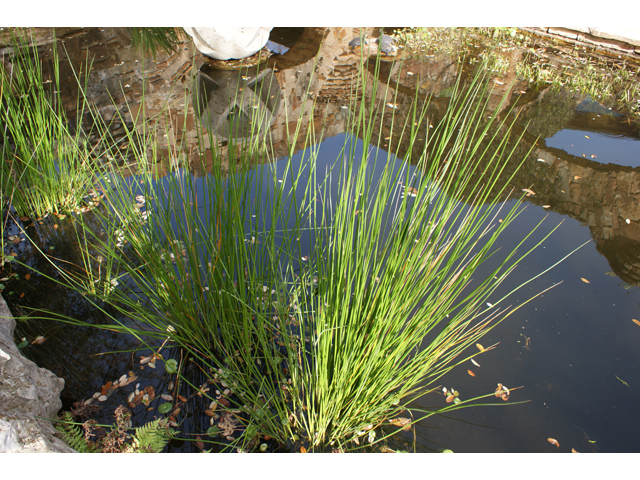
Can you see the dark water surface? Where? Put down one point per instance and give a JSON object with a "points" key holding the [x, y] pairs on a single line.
{"points": [[575, 350]]}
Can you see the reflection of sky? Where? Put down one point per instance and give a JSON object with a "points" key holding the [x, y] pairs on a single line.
{"points": [[606, 148]]}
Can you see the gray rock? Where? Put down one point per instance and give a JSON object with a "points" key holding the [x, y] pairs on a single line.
{"points": [[26, 392]]}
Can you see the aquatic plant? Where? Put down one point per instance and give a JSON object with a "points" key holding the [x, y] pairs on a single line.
{"points": [[45, 167], [152, 39], [318, 318]]}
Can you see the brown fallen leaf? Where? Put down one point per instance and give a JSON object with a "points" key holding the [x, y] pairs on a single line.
{"points": [[471, 373], [405, 423], [450, 398], [209, 413], [199, 442], [302, 449], [27, 276], [635, 321], [585, 280], [182, 399], [553, 441], [573, 450], [480, 347], [39, 340]]}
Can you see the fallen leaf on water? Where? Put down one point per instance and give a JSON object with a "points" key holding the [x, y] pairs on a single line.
{"points": [[546, 206], [405, 423], [585, 280], [480, 347], [475, 363], [22, 295], [39, 340], [573, 450], [553, 441], [450, 398], [528, 192], [303, 450], [586, 136], [102, 398], [181, 398], [471, 373], [576, 177], [628, 221], [27, 276], [199, 443], [166, 397]]}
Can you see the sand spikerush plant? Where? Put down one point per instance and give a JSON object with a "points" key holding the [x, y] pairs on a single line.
{"points": [[319, 303]]}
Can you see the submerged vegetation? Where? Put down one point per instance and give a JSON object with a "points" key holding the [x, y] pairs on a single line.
{"points": [[317, 303]]}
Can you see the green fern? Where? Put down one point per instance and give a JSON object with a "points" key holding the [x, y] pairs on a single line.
{"points": [[73, 435], [152, 437]]}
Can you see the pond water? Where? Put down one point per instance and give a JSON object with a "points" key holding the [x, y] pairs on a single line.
{"points": [[574, 350]]}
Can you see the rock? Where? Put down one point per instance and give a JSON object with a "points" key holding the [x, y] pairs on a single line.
{"points": [[26, 392], [224, 43]]}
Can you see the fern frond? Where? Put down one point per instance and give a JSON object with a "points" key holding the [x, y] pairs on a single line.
{"points": [[152, 437], [73, 435]]}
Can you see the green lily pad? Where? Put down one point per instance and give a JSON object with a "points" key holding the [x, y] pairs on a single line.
{"points": [[23, 344], [213, 431], [171, 366], [164, 408]]}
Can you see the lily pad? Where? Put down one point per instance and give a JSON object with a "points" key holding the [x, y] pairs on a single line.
{"points": [[164, 408], [171, 366]]}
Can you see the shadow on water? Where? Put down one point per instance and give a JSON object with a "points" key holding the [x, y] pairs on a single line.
{"points": [[570, 349]]}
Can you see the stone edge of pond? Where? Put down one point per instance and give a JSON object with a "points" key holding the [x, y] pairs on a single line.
{"points": [[26, 393], [620, 41]]}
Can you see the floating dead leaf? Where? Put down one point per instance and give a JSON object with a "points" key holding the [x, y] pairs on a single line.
{"points": [[546, 206], [635, 321], [628, 221], [39, 339], [102, 398], [577, 177], [475, 363], [150, 391], [480, 347], [450, 398], [105, 388], [224, 402], [27, 276], [471, 373], [302, 449], [586, 136], [209, 413], [181, 398], [585, 280], [405, 423], [145, 360], [166, 397], [138, 397], [528, 192], [22, 295], [573, 450], [199, 442], [553, 441]]}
